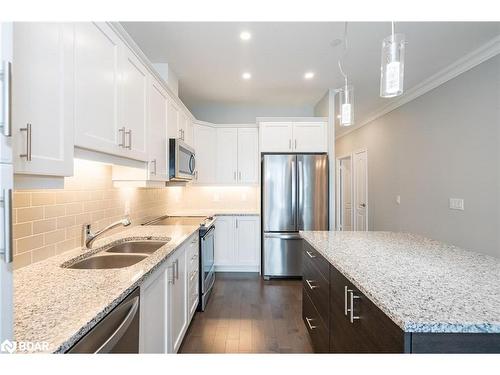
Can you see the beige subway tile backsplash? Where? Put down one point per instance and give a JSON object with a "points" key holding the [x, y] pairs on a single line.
{"points": [[49, 222]]}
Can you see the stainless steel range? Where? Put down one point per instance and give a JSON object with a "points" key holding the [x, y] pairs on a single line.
{"points": [[207, 249]]}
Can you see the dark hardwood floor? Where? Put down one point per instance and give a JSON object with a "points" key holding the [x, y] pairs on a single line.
{"points": [[246, 314]]}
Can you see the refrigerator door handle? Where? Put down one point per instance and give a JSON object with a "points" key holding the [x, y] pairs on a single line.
{"points": [[294, 195], [283, 236], [300, 191]]}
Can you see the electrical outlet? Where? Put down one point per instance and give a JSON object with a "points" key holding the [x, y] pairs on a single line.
{"points": [[456, 204]]}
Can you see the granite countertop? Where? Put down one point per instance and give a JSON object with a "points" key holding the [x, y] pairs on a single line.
{"points": [[421, 284], [59, 305]]}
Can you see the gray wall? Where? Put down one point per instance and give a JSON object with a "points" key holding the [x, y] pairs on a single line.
{"points": [[241, 114], [443, 144], [321, 108]]}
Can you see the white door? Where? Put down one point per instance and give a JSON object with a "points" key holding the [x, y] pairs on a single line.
{"points": [[205, 148], [96, 88], [6, 186], [188, 131], [42, 98], [310, 137], [227, 156], [153, 314], [173, 120], [248, 156], [6, 303], [247, 240], [158, 139], [133, 105], [177, 300], [6, 89], [361, 191], [276, 136], [344, 186], [224, 241]]}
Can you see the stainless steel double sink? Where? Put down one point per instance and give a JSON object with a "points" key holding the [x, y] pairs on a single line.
{"points": [[121, 255]]}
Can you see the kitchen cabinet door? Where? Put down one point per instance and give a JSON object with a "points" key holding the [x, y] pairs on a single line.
{"points": [[97, 52], [153, 314], [177, 299], [158, 140], [227, 156], [276, 136], [247, 240], [248, 156], [205, 148], [173, 120], [224, 241], [310, 137], [188, 131], [134, 85], [42, 98]]}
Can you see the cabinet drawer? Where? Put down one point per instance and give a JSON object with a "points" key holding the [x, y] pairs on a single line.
{"points": [[318, 330], [317, 287], [317, 260], [370, 332]]}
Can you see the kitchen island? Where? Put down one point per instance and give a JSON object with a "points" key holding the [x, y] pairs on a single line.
{"points": [[435, 297]]}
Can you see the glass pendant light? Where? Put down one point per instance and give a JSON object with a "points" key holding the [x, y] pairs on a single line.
{"points": [[392, 65], [346, 93]]}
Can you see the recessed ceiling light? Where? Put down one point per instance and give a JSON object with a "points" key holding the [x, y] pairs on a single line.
{"points": [[246, 75], [309, 75], [245, 35]]}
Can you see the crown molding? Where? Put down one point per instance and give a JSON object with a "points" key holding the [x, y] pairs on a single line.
{"points": [[465, 63]]}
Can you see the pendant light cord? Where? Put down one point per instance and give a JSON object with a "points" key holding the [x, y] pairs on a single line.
{"points": [[343, 54]]}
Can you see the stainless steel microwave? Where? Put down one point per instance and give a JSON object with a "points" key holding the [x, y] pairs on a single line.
{"points": [[182, 162]]}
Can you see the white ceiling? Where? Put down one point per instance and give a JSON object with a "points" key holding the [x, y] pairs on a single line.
{"points": [[209, 57]]}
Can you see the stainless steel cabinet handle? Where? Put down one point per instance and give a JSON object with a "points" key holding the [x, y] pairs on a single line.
{"points": [[154, 170], [27, 155], [172, 280], [353, 297], [234, 175], [311, 255], [309, 320], [6, 75], [239, 175], [7, 249], [309, 283], [129, 133], [346, 307], [236, 223], [295, 144], [122, 328], [177, 269], [122, 132], [289, 144]]}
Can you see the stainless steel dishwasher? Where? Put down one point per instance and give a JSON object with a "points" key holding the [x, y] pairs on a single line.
{"points": [[118, 332]]}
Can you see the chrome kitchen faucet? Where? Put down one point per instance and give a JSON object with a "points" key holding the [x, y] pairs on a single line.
{"points": [[89, 237]]}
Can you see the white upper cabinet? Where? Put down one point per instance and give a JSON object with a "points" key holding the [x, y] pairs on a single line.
{"points": [[188, 130], [158, 140], [173, 120], [227, 156], [134, 83], [248, 155], [97, 52], [276, 136], [42, 98], [310, 137], [293, 137], [205, 146]]}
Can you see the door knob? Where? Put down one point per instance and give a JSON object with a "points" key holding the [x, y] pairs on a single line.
{"points": [[363, 204]]}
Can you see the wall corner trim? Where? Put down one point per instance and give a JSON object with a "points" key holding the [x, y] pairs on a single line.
{"points": [[463, 64]]}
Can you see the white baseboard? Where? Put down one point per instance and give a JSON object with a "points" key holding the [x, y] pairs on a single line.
{"points": [[237, 268]]}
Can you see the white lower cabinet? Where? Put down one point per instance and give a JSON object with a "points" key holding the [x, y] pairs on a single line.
{"points": [[237, 243], [168, 300], [153, 313]]}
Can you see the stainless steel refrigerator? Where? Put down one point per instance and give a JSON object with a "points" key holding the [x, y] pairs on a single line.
{"points": [[294, 197]]}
